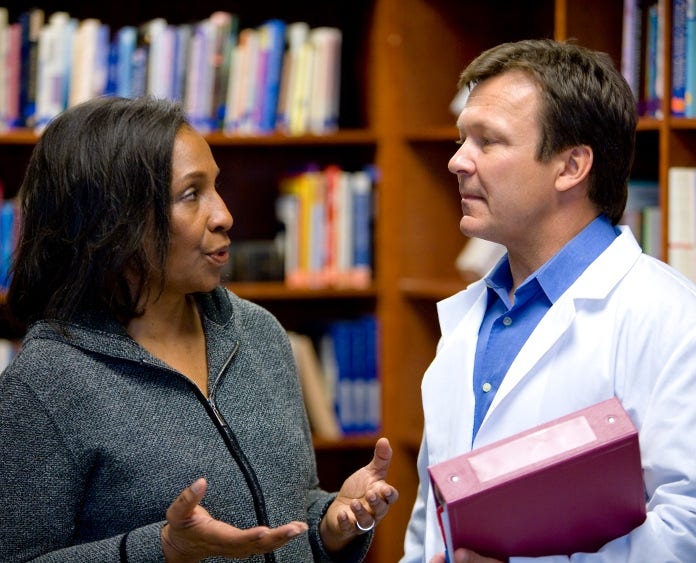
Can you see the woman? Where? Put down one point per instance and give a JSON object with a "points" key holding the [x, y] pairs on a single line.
{"points": [[151, 414]]}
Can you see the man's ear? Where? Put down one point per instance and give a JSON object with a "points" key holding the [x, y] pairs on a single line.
{"points": [[575, 167]]}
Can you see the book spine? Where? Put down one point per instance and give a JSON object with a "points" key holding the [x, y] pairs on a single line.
{"points": [[690, 87], [681, 205], [275, 43], [361, 189], [679, 58], [126, 40], [4, 44]]}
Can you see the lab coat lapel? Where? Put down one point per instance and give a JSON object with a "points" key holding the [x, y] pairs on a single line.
{"points": [[447, 384]]}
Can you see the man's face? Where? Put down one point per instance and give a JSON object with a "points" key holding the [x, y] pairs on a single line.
{"points": [[505, 191]]}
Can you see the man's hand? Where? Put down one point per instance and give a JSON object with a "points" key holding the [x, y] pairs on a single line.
{"points": [[192, 534]]}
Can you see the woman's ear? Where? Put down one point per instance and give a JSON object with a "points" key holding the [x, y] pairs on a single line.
{"points": [[575, 168]]}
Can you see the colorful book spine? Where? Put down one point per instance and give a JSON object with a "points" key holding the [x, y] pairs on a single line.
{"points": [[361, 190], [272, 49], [679, 58], [126, 40], [690, 87]]}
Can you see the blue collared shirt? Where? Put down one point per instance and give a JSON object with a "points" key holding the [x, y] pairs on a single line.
{"points": [[506, 326]]}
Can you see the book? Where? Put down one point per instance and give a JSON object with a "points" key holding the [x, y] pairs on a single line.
{"points": [[690, 39], [320, 412], [569, 485], [13, 62], [83, 76], [224, 31], [159, 37], [126, 42], [55, 47], [31, 22], [198, 100], [325, 80], [4, 43], [361, 231], [631, 40], [679, 57], [681, 223], [272, 40]]}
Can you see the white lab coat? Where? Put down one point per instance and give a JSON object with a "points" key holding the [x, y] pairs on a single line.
{"points": [[625, 328]]}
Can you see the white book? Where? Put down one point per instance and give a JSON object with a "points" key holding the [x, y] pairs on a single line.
{"points": [[83, 83], [681, 224], [325, 80], [296, 36], [160, 63], [200, 80], [53, 77]]}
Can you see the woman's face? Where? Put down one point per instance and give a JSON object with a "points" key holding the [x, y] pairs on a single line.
{"points": [[199, 218]]}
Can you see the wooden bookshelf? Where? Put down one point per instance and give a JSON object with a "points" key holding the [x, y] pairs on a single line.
{"points": [[401, 61]]}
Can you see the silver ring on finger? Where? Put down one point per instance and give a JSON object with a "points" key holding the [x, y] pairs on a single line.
{"points": [[366, 529]]}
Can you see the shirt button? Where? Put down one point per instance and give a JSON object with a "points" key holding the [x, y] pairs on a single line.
{"points": [[486, 387], [507, 321]]}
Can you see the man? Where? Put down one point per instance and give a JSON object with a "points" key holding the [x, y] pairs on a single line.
{"points": [[574, 313]]}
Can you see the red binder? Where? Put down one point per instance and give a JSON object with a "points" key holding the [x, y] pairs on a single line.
{"points": [[570, 485]]}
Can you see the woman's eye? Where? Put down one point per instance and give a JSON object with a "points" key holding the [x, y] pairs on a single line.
{"points": [[190, 194]]}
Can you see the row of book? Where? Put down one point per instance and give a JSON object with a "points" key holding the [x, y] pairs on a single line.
{"points": [[340, 377], [275, 77], [681, 230], [643, 55], [327, 216]]}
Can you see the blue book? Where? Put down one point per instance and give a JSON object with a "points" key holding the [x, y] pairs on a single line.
{"points": [[273, 43], [679, 56], [126, 40], [341, 333], [7, 240], [361, 195], [690, 87], [370, 395]]}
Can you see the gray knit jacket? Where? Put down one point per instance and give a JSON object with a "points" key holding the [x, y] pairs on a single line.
{"points": [[98, 437]]}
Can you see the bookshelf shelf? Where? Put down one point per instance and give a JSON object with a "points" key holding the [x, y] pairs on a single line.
{"points": [[343, 137], [279, 291], [18, 137], [433, 134]]}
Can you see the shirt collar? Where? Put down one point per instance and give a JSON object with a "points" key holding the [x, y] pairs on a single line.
{"points": [[566, 266]]}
